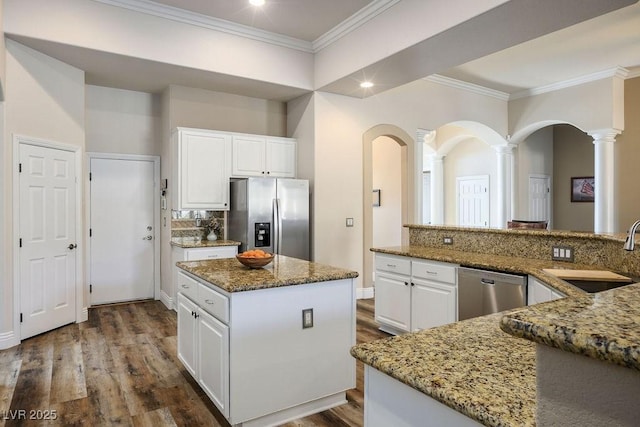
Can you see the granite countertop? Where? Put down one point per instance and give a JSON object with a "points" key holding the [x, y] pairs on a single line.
{"points": [[508, 264], [604, 326], [477, 369], [190, 242], [470, 366], [231, 276]]}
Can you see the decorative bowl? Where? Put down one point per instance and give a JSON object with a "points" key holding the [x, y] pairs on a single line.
{"points": [[254, 262]]}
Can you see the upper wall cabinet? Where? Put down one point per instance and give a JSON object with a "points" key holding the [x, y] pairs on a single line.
{"points": [[255, 155], [202, 167]]}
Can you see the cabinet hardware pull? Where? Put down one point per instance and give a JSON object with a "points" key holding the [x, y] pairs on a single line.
{"points": [[435, 273], [391, 265], [185, 286], [208, 301], [413, 284], [406, 283]]}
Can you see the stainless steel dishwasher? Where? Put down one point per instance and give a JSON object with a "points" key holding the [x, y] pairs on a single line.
{"points": [[483, 292]]}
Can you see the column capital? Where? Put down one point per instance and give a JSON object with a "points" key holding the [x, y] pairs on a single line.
{"points": [[604, 135], [425, 136], [504, 149]]}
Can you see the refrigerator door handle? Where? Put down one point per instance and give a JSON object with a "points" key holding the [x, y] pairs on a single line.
{"points": [[277, 223], [279, 231]]}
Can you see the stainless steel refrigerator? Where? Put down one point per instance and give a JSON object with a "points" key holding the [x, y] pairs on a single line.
{"points": [[271, 214]]}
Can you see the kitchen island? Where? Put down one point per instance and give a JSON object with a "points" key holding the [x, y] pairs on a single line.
{"points": [[267, 345]]}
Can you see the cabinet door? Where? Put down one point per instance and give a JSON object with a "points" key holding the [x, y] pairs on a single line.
{"points": [[248, 156], [393, 300], [432, 304], [187, 325], [213, 360], [281, 158], [204, 171]]}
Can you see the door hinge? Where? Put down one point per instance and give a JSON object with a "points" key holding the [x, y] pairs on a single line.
{"points": [[20, 317], [19, 167], [90, 288], [90, 232], [90, 176], [548, 190], [20, 241]]}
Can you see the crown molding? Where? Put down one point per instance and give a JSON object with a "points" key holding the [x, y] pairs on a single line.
{"points": [[633, 73], [469, 87], [612, 72], [359, 18], [204, 21]]}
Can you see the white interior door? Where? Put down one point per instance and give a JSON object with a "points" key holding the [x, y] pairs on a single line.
{"points": [[539, 198], [122, 252], [47, 259], [473, 201]]}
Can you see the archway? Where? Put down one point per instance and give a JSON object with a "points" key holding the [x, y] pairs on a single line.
{"points": [[407, 167]]}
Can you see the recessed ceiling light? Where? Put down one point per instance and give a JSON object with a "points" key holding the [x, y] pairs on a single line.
{"points": [[257, 2], [366, 85]]}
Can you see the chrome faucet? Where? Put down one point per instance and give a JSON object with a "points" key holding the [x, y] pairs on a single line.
{"points": [[631, 236]]}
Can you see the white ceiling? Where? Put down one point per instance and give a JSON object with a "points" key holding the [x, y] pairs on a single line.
{"points": [[603, 43]]}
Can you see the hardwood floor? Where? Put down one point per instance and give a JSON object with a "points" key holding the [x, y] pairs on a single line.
{"points": [[121, 368]]}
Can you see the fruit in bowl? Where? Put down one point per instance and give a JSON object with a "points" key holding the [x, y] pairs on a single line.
{"points": [[255, 258]]}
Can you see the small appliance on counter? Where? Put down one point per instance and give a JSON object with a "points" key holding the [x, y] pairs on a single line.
{"points": [[271, 214]]}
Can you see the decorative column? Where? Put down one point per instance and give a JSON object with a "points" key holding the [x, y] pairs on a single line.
{"points": [[504, 185], [604, 182], [436, 163]]}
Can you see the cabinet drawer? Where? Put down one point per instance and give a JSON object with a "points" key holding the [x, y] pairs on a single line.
{"points": [[188, 286], [213, 302], [392, 264], [434, 271], [210, 253]]}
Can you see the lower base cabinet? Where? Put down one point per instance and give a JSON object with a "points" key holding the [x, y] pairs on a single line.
{"points": [[413, 294], [538, 292]]}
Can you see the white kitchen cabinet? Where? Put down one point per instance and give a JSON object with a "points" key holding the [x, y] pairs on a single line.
{"points": [[255, 155], [414, 294], [538, 292], [181, 283], [201, 170], [203, 348]]}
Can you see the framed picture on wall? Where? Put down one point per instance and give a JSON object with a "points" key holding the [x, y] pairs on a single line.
{"points": [[582, 189]]}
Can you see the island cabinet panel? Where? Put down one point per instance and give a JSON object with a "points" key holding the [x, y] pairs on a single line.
{"points": [[413, 294], [388, 402], [276, 363], [187, 330], [213, 360]]}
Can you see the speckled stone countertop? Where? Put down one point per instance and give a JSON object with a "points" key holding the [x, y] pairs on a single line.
{"points": [[231, 276], [604, 326], [480, 371], [470, 366], [190, 242]]}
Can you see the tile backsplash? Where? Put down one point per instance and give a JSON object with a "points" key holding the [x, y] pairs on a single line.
{"points": [[183, 223]]}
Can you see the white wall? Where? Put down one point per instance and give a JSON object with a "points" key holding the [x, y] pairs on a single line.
{"points": [[470, 157], [122, 121], [387, 218], [339, 125], [534, 156], [44, 99]]}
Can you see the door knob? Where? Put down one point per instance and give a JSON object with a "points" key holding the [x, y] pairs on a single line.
{"points": [[149, 228], [149, 237], [72, 246]]}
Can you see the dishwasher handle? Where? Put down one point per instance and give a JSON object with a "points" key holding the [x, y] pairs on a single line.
{"points": [[487, 282]]}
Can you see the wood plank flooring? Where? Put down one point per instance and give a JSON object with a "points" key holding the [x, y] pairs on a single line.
{"points": [[121, 368]]}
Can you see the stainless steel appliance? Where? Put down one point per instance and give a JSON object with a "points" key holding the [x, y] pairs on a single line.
{"points": [[483, 292], [271, 214]]}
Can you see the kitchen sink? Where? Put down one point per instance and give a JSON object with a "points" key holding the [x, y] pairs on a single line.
{"points": [[593, 281], [593, 286]]}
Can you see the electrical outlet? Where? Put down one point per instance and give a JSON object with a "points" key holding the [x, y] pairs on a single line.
{"points": [[349, 222], [562, 253], [447, 240], [307, 318]]}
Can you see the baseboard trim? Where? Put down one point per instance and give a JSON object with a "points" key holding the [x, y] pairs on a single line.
{"points": [[8, 340], [84, 314], [365, 293], [166, 300]]}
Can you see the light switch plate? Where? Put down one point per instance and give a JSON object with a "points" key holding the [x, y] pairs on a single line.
{"points": [[447, 240], [562, 253], [349, 222]]}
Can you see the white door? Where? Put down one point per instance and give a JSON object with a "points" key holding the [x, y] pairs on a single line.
{"points": [[47, 183], [122, 230], [393, 301], [539, 198], [473, 201]]}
